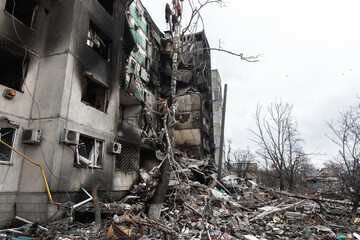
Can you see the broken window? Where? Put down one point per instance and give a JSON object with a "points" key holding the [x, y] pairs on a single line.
{"points": [[89, 152], [12, 65], [25, 11], [98, 41], [215, 94], [8, 136], [108, 5], [128, 160], [94, 93]]}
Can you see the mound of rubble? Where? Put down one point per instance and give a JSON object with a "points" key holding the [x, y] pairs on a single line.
{"points": [[199, 207]]}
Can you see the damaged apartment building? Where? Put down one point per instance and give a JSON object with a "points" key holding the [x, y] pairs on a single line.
{"points": [[194, 134], [82, 99]]}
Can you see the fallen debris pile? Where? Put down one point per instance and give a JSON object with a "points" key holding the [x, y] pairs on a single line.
{"points": [[199, 207]]}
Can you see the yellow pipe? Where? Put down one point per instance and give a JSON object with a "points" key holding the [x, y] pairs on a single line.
{"points": [[42, 171]]}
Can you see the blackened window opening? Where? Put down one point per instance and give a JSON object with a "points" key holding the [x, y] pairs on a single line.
{"points": [[7, 135], [12, 70], [108, 5], [98, 41], [94, 94], [25, 11]]}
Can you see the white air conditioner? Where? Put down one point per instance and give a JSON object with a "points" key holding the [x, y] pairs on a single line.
{"points": [[115, 148], [31, 136], [70, 137]]}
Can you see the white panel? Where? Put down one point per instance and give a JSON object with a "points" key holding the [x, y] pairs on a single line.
{"points": [[216, 117]]}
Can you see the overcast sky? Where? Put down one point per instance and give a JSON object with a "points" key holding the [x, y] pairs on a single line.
{"points": [[311, 60]]}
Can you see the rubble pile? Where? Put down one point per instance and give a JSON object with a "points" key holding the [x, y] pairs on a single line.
{"points": [[197, 206]]}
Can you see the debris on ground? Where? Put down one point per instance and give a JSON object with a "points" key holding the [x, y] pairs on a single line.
{"points": [[199, 207]]}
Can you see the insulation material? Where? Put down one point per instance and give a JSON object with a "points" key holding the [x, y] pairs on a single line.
{"points": [[144, 74], [139, 92]]}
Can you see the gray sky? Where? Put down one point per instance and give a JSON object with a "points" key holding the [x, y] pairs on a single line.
{"points": [[311, 60]]}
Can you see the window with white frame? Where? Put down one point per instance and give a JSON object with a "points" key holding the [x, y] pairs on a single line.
{"points": [[89, 152], [7, 135]]}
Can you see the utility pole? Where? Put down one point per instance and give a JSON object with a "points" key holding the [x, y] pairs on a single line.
{"points": [[222, 135]]}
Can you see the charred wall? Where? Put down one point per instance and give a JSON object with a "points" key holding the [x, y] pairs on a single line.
{"points": [[74, 53], [139, 121], [194, 127]]}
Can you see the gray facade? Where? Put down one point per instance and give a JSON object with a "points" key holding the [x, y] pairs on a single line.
{"points": [[83, 86], [194, 127], [74, 60]]}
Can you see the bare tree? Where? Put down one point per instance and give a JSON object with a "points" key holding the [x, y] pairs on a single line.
{"points": [[169, 118], [268, 177], [279, 140], [241, 160], [180, 43], [346, 135]]}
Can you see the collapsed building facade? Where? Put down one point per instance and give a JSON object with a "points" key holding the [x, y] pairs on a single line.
{"points": [[82, 98], [194, 120]]}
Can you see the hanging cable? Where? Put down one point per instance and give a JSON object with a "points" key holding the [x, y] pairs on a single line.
{"points": [[31, 95]]}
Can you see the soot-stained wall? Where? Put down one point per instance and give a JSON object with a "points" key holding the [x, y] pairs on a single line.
{"points": [[59, 56]]}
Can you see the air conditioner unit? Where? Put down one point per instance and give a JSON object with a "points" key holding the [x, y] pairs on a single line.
{"points": [[115, 148], [70, 137], [31, 136]]}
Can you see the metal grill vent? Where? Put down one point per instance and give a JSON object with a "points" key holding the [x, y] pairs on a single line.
{"points": [[128, 160], [71, 136]]}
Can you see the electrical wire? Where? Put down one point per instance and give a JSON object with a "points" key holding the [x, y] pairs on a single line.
{"points": [[31, 95]]}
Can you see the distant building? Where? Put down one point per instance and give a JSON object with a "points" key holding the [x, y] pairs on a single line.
{"points": [[194, 126], [323, 179], [248, 171], [217, 112]]}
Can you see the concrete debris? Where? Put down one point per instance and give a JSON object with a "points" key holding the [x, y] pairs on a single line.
{"points": [[356, 236], [198, 207], [250, 237], [268, 208]]}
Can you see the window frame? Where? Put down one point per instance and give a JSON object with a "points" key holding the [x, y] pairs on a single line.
{"points": [[24, 68], [103, 37], [216, 95], [89, 77], [35, 10], [14, 139], [77, 155]]}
